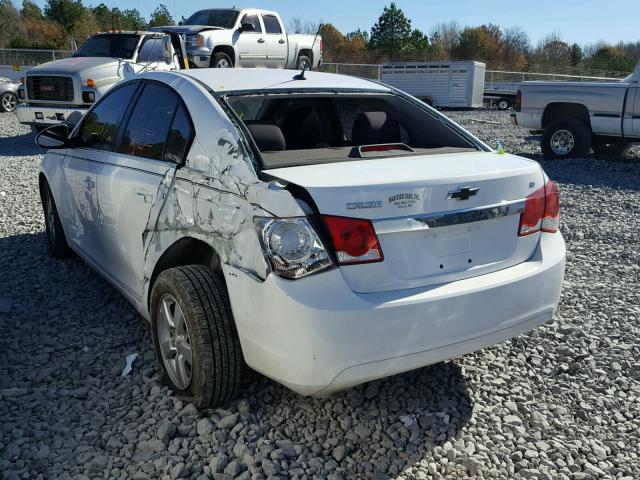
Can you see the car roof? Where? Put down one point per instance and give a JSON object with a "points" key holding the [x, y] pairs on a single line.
{"points": [[241, 79]]}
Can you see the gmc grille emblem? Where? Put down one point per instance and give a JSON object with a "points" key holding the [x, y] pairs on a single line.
{"points": [[463, 193]]}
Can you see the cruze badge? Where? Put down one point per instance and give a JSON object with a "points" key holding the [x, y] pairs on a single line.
{"points": [[463, 193], [364, 205]]}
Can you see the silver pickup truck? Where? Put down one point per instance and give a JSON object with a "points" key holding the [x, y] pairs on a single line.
{"points": [[63, 90], [578, 116], [229, 37]]}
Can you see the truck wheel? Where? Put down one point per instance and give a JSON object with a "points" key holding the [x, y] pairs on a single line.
{"points": [[304, 61], [9, 102], [566, 138], [503, 104], [58, 246], [613, 150], [221, 60], [194, 335]]}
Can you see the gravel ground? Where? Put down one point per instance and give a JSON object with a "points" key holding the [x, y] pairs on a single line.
{"points": [[560, 402]]}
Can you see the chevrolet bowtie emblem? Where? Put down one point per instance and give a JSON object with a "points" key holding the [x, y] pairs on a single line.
{"points": [[463, 193]]}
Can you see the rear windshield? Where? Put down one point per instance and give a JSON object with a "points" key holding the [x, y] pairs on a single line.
{"points": [[308, 129], [214, 18], [119, 45]]}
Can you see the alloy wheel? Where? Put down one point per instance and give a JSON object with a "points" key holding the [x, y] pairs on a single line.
{"points": [[9, 102], [175, 344], [562, 142]]}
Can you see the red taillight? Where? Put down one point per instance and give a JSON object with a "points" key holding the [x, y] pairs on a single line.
{"points": [[354, 239], [518, 102], [321, 47], [541, 211]]}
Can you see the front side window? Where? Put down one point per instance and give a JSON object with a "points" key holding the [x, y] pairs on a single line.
{"points": [[152, 50], [214, 18], [146, 132], [253, 20], [118, 45], [100, 126], [271, 24]]}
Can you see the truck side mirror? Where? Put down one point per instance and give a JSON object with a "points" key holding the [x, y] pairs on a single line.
{"points": [[167, 49], [247, 27], [55, 136]]}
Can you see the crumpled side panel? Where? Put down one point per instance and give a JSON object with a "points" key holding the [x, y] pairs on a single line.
{"points": [[214, 198]]}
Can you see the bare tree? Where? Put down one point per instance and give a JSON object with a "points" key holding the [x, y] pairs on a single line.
{"points": [[297, 25], [448, 34], [516, 46]]}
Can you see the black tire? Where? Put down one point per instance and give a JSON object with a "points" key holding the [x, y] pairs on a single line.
{"points": [[8, 102], [216, 370], [56, 239], [566, 138], [612, 150], [220, 60], [302, 61], [504, 104]]}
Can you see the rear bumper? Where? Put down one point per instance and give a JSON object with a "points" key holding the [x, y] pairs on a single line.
{"points": [[49, 115], [316, 336]]}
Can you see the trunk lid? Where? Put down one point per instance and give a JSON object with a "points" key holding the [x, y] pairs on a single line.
{"points": [[438, 218]]}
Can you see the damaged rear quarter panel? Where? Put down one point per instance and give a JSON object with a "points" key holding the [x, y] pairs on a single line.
{"points": [[215, 195]]}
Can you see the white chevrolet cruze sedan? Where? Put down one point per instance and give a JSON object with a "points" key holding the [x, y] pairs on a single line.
{"points": [[323, 229]]}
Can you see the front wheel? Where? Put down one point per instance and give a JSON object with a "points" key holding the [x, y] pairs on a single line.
{"points": [[9, 102], [194, 335], [221, 60], [503, 104], [56, 239], [566, 138]]}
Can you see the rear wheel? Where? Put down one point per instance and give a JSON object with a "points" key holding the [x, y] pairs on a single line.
{"points": [[566, 138], [220, 60], [304, 62], [55, 234], [194, 335], [9, 102], [503, 104]]}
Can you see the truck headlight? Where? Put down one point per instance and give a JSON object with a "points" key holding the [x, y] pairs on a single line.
{"points": [[200, 40]]}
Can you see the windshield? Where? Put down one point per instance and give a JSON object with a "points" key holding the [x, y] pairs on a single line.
{"points": [[306, 129], [109, 45], [214, 18]]}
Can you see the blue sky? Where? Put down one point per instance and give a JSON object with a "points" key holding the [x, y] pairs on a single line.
{"points": [[581, 21]]}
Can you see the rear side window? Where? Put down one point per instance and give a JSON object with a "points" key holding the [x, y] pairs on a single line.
{"points": [[101, 124], [253, 20], [148, 127], [180, 136], [271, 24]]}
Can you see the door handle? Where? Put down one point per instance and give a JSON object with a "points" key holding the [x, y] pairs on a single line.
{"points": [[145, 197], [261, 40], [281, 41], [89, 183]]}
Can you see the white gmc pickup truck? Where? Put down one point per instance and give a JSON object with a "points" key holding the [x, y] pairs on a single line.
{"points": [[578, 116], [226, 38], [64, 90]]}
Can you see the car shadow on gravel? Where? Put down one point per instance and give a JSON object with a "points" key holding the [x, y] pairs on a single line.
{"points": [[20, 145]]}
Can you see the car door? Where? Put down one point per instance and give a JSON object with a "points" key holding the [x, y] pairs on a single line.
{"points": [[252, 46], [635, 122], [93, 142], [150, 146], [276, 41]]}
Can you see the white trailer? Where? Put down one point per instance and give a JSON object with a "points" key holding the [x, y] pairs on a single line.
{"points": [[441, 84]]}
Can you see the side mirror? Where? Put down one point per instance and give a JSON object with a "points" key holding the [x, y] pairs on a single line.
{"points": [[247, 27], [167, 49], [55, 136]]}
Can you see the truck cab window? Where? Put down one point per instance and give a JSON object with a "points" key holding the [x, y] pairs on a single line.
{"points": [[253, 20], [151, 50], [271, 24]]}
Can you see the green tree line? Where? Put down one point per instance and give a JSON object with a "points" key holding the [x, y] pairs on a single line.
{"points": [[391, 38]]}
